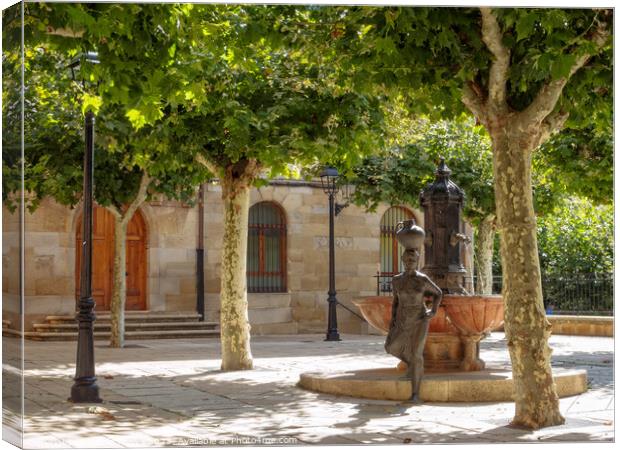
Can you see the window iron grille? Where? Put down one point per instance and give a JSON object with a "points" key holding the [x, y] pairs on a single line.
{"points": [[390, 249], [266, 260]]}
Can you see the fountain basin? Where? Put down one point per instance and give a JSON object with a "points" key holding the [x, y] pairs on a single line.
{"points": [[377, 310], [443, 350], [454, 333], [474, 314]]}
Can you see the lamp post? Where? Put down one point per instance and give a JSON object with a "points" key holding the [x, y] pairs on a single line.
{"points": [[329, 178], [85, 389]]}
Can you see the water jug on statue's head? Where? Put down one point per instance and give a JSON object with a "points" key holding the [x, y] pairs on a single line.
{"points": [[410, 235]]}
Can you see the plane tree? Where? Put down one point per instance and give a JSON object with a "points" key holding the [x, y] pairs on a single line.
{"points": [[221, 83], [524, 74], [573, 163], [269, 110], [131, 165]]}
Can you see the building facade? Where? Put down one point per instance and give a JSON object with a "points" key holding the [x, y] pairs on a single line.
{"points": [[287, 258]]}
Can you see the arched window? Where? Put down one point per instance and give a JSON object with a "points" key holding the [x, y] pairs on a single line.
{"points": [[266, 263], [391, 250]]}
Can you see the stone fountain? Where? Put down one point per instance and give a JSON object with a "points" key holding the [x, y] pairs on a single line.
{"points": [[455, 371], [463, 320]]}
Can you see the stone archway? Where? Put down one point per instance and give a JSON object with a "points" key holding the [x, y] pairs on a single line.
{"points": [[103, 258]]}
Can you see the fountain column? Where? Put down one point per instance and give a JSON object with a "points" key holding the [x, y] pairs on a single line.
{"points": [[442, 201]]}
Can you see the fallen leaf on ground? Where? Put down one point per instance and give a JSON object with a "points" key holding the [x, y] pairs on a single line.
{"points": [[407, 441], [108, 377], [104, 413]]}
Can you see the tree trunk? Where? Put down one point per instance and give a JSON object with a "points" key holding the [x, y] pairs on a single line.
{"points": [[527, 328], [485, 237], [119, 285], [119, 280], [234, 324], [515, 135]]}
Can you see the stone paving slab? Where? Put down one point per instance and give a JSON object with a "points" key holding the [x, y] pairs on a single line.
{"points": [[172, 393]]}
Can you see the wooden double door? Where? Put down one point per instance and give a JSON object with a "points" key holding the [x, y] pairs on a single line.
{"points": [[103, 260]]}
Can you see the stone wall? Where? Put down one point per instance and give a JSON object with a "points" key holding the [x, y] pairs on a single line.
{"points": [[49, 262], [582, 325], [579, 325], [10, 267], [304, 307], [172, 230], [50, 256]]}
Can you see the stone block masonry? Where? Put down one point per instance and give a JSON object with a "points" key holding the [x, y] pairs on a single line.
{"points": [[170, 266]]}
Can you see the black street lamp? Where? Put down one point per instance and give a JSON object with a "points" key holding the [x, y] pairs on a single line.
{"points": [[85, 389], [329, 179]]}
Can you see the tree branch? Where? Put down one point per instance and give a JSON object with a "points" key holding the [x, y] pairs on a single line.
{"points": [[498, 76], [474, 102], [65, 32], [549, 94], [252, 168], [213, 168], [114, 210], [239, 176], [138, 199], [249, 170], [550, 125]]}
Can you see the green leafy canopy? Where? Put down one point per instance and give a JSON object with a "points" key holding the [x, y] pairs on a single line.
{"points": [[222, 81]]}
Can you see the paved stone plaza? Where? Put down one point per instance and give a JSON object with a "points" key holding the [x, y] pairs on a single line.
{"points": [[172, 393]]}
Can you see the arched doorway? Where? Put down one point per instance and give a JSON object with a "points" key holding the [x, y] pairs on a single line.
{"points": [[103, 259], [391, 250]]}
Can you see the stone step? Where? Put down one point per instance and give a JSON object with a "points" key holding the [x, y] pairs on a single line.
{"points": [[134, 316], [129, 326], [129, 335]]}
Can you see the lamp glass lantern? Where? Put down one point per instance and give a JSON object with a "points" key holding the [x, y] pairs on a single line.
{"points": [[79, 61], [329, 180]]}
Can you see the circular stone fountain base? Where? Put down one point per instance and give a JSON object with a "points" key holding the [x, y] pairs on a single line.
{"points": [[489, 385]]}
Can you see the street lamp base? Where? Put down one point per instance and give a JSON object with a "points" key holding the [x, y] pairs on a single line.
{"points": [[85, 393], [332, 336]]}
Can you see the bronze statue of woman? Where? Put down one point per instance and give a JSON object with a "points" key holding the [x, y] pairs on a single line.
{"points": [[410, 316]]}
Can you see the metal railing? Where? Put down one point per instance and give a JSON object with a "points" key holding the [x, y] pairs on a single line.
{"points": [[568, 294], [384, 284]]}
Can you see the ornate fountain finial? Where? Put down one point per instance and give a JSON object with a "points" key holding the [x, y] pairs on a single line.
{"points": [[441, 186], [443, 171]]}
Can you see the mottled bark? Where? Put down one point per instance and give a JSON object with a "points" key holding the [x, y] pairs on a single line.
{"points": [[119, 285], [119, 280], [234, 323], [515, 135], [527, 328], [485, 237]]}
